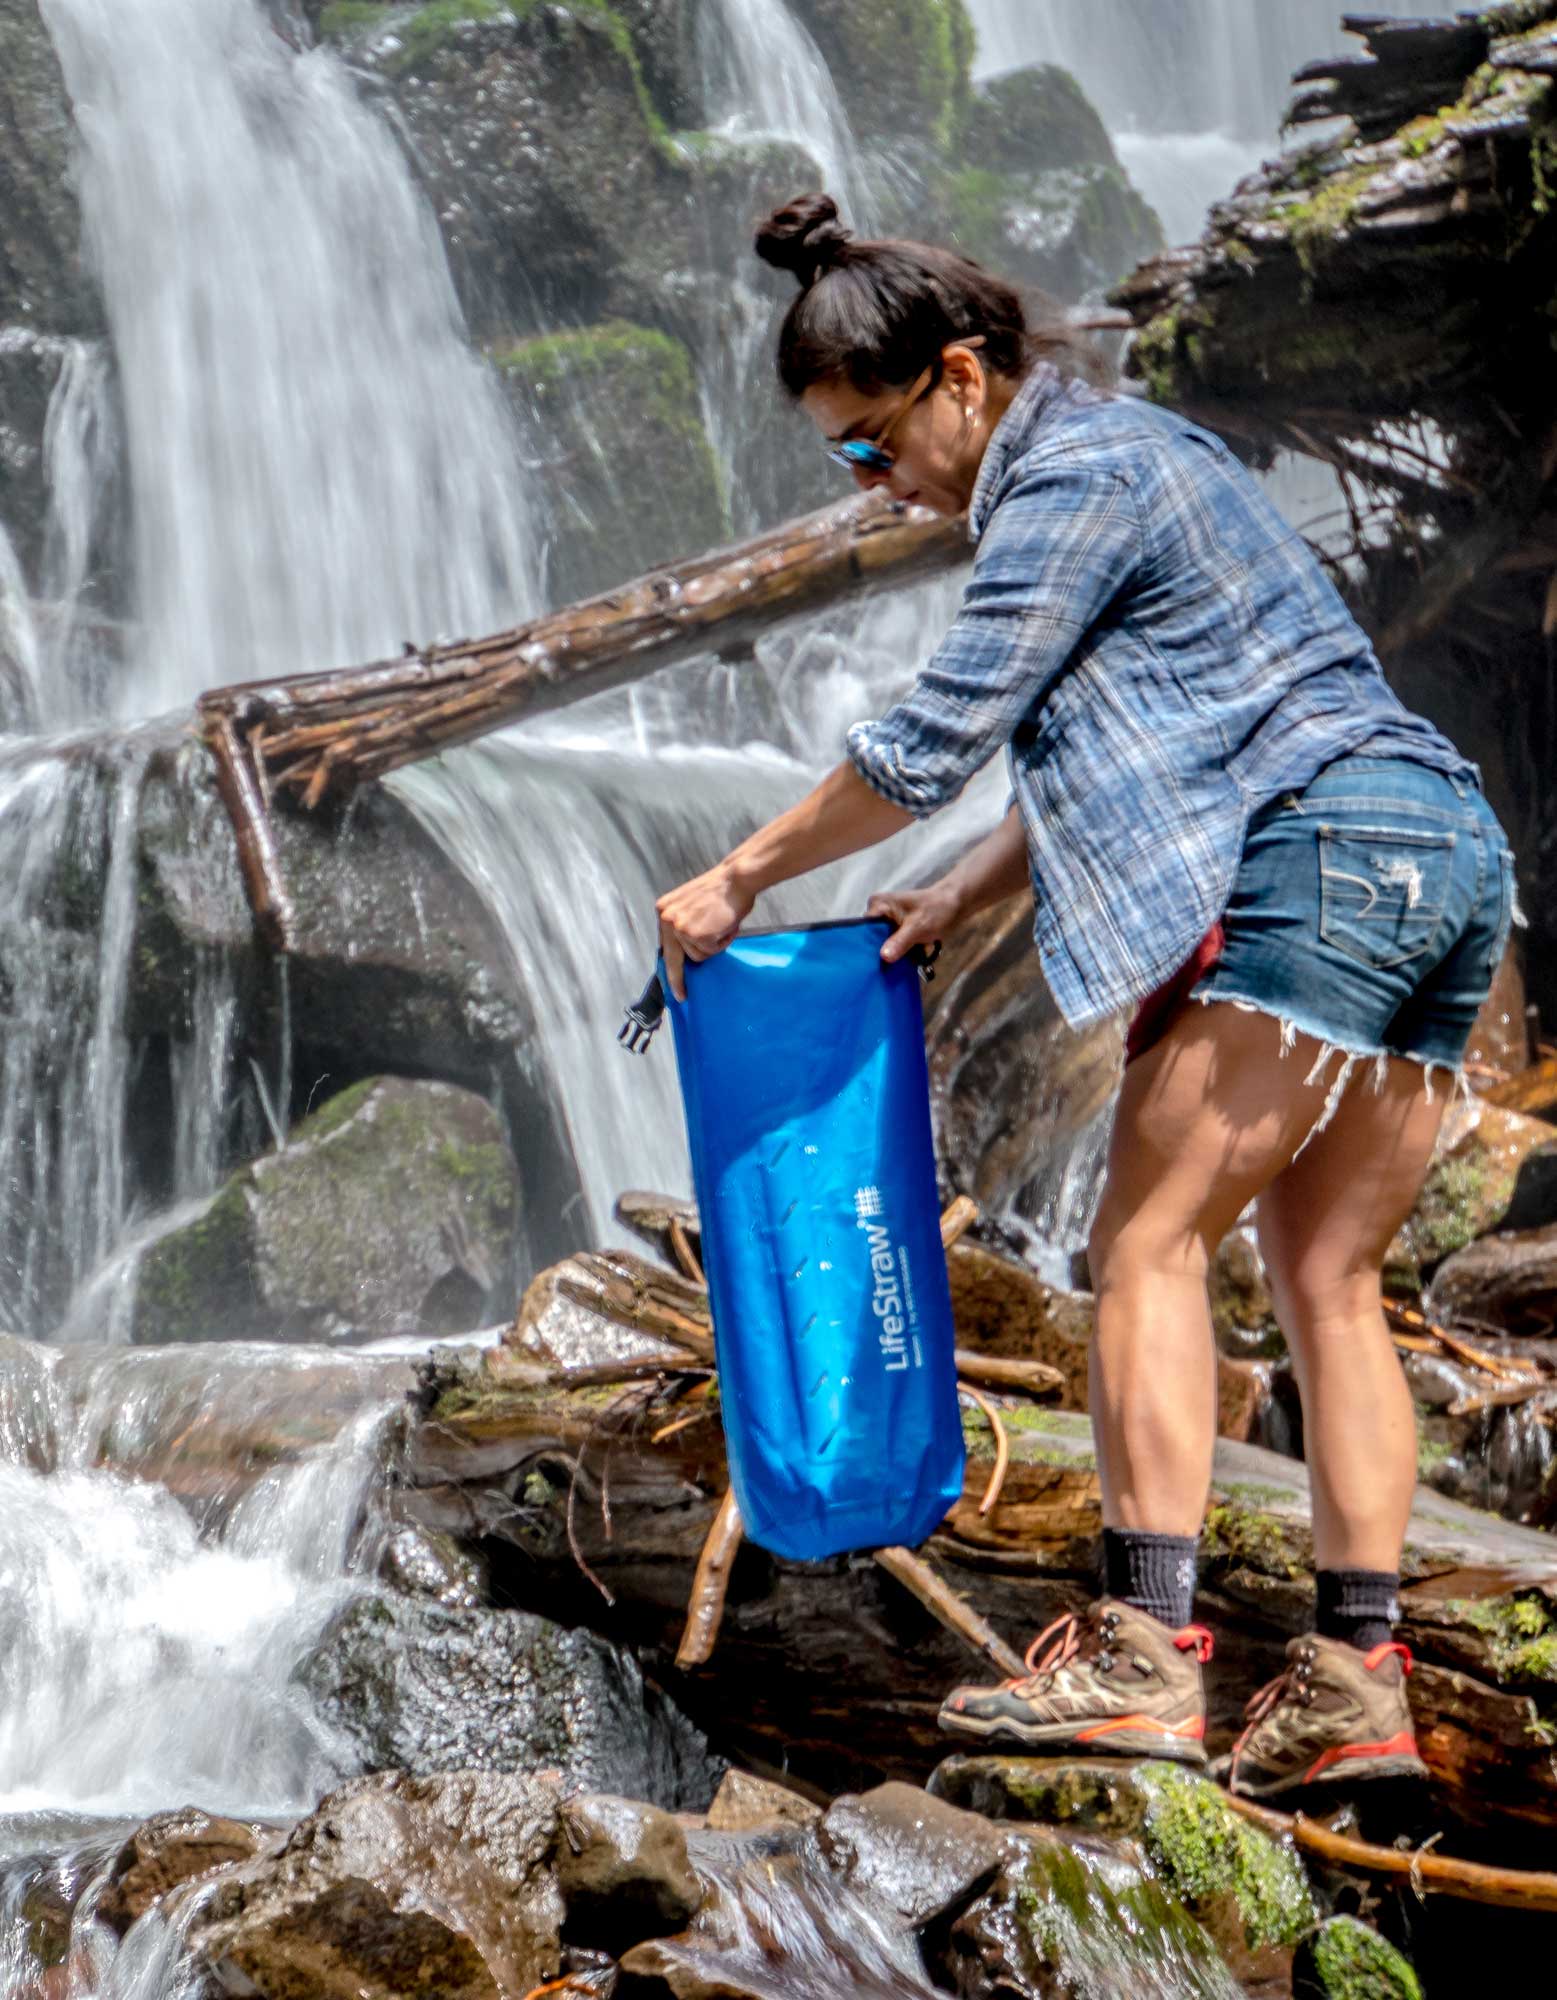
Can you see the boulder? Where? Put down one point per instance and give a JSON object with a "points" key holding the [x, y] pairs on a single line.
{"points": [[1031, 121], [1506, 1280], [1069, 231], [746, 1804], [613, 416], [624, 1873], [902, 67], [172, 1848], [922, 1857], [419, 1687], [1345, 1959], [392, 1885], [1250, 1894], [391, 1210], [611, 1305], [43, 284], [1492, 1169], [30, 364]]}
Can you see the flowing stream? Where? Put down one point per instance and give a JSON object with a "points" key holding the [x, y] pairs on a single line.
{"points": [[310, 465]]}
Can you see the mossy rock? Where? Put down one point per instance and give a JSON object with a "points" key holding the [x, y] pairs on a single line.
{"points": [[1071, 231], [902, 67], [1346, 1960], [614, 417], [1031, 120], [392, 1209], [1492, 1169]]}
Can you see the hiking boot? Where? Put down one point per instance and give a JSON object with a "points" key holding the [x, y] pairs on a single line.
{"points": [[1336, 1716], [1113, 1680]]}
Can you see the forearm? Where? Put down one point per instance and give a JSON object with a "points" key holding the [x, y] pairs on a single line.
{"points": [[841, 816], [991, 871]]}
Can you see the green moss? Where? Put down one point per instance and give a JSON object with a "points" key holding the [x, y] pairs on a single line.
{"points": [[1345, 1960], [1314, 225], [431, 26], [207, 1257], [1521, 1633], [1077, 1930], [345, 18], [1205, 1852], [1246, 1535]]}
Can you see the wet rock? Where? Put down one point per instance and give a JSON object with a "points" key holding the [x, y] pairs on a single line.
{"points": [[779, 1928], [637, 382], [421, 1562], [1031, 121], [421, 1688], [1346, 1960], [30, 364], [1492, 1169], [624, 1873], [901, 66], [396, 1884], [919, 1855], [1508, 1280], [1243, 1312], [1062, 1921], [390, 1210], [665, 38], [172, 1848], [744, 1804], [42, 280], [1250, 1894]]}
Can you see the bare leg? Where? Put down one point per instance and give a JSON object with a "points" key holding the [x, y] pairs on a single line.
{"points": [[1324, 1225], [1206, 1120]]}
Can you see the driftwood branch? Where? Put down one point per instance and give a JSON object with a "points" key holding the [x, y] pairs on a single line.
{"points": [[710, 1583], [314, 737], [938, 1598]]}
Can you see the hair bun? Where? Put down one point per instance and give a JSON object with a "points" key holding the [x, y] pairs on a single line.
{"points": [[804, 236]]}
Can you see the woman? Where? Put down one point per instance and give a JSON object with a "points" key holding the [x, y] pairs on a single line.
{"points": [[1217, 800]]}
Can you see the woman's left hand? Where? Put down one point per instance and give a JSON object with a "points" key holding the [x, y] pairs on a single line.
{"points": [[699, 919]]}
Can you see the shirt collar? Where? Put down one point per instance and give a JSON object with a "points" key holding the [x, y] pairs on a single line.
{"points": [[1042, 388]]}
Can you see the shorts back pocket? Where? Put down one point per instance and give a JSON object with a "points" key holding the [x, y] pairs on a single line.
{"points": [[1382, 891]]}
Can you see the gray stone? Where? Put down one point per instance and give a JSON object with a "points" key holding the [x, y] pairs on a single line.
{"points": [[391, 1210], [396, 1885], [919, 1855], [172, 1848], [418, 1687], [42, 281], [902, 67], [1031, 121], [744, 1804]]}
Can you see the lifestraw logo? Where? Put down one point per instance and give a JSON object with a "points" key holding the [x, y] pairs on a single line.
{"points": [[867, 1203], [889, 1273]]}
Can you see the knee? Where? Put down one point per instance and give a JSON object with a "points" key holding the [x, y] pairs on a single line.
{"points": [[1124, 1249], [1312, 1294]]}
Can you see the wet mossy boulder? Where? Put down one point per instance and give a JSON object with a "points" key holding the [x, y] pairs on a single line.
{"points": [[1249, 1893], [1345, 1959], [390, 1210], [613, 416], [424, 1688], [1071, 231], [902, 67], [665, 35], [43, 282], [30, 365], [1030, 121]]}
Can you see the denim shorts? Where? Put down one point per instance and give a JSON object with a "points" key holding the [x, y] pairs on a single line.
{"points": [[1370, 911]]}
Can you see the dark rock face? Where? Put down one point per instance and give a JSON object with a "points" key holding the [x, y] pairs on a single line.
{"points": [[391, 1210], [614, 417], [919, 1855], [42, 283], [422, 1688], [1509, 1280], [624, 1873], [1031, 121], [901, 65], [29, 368], [397, 1884]]}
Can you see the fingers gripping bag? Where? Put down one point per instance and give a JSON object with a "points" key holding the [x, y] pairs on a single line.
{"points": [[803, 1073]]}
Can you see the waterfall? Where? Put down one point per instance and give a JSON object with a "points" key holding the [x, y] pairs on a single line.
{"points": [[18, 644], [319, 467], [1193, 94]]}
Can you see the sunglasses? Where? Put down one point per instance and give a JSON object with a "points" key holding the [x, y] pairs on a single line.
{"points": [[870, 454]]}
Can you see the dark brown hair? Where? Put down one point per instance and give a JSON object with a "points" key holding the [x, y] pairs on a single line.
{"points": [[877, 312]]}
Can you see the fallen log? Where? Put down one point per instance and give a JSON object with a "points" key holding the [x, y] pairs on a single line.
{"points": [[837, 1671], [310, 738], [1532, 1091]]}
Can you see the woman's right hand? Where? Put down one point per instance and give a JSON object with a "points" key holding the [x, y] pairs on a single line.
{"points": [[919, 916]]}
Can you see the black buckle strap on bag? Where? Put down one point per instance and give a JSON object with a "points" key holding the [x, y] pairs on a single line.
{"points": [[648, 1010], [643, 1018]]}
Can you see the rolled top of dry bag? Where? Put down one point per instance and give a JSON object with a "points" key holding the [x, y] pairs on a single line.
{"points": [[803, 1074]]}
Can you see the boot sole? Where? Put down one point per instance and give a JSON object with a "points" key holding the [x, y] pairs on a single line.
{"points": [[1064, 1736], [1357, 1770]]}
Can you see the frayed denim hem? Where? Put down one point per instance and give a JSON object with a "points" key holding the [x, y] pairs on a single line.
{"points": [[1291, 1028]]}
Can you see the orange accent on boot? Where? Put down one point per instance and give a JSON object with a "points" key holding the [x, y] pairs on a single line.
{"points": [[1198, 1638], [1401, 1745], [1382, 1652], [1192, 1731]]}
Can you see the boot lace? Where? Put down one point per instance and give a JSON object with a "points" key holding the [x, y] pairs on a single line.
{"points": [[1295, 1684], [1067, 1640]]}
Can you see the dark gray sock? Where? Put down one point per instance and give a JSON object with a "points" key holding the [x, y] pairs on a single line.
{"points": [[1155, 1573], [1359, 1606]]}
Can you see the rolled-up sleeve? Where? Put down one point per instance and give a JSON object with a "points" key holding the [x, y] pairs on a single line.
{"points": [[1059, 547]]}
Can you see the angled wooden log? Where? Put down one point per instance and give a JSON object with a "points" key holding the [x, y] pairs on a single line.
{"points": [[314, 737]]}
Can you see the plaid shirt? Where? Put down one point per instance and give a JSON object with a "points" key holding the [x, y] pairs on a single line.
{"points": [[1159, 653]]}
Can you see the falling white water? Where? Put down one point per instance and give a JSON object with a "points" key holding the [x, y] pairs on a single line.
{"points": [[320, 469], [18, 644], [764, 77]]}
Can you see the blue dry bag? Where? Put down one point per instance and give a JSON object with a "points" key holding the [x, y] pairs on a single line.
{"points": [[803, 1073]]}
